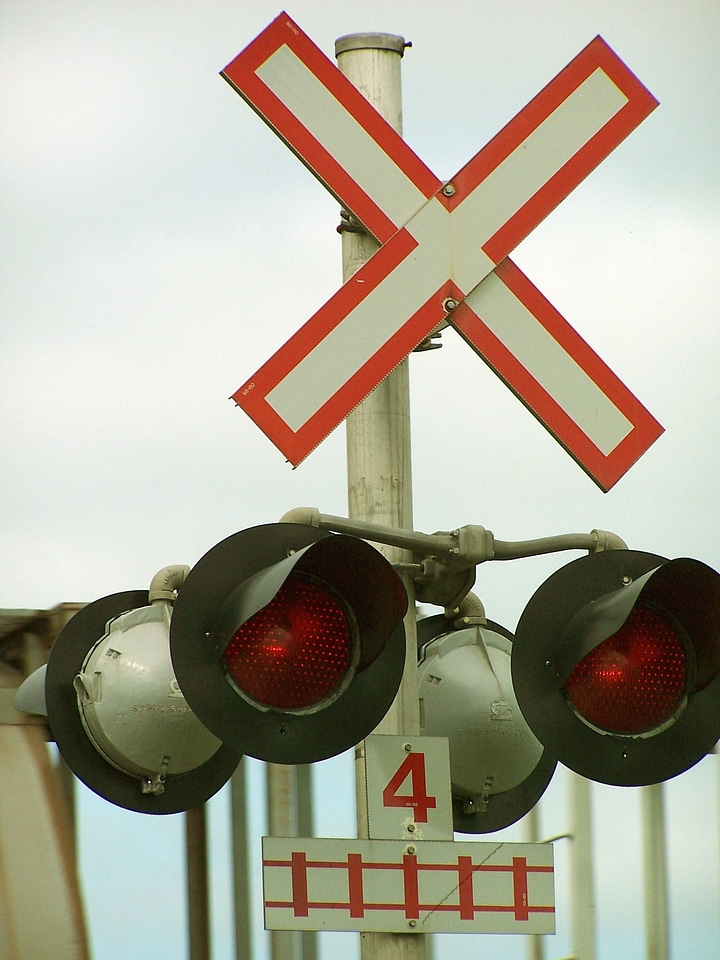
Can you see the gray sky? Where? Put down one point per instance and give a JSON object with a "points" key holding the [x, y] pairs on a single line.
{"points": [[159, 243]]}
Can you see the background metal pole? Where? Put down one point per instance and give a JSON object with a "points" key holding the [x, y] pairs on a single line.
{"points": [[531, 825], [197, 883], [241, 881], [282, 822], [378, 444], [655, 872], [306, 828], [583, 880]]}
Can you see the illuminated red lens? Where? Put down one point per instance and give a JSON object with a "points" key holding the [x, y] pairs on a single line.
{"points": [[294, 652], [635, 680]]}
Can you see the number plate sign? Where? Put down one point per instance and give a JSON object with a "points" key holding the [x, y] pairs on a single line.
{"points": [[410, 877], [408, 788]]}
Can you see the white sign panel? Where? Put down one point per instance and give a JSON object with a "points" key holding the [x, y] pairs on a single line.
{"points": [[399, 887], [408, 788]]}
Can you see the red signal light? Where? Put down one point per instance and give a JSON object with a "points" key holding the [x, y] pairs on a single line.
{"points": [[616, 665], [288, 641], [636, 680], [295, 652]]}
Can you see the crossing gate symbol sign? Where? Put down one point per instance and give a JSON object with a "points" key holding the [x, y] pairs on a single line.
{"points": [[390, 885], [444, 250]]}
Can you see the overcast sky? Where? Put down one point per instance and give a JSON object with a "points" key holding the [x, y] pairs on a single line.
{"points": [[159, 243]]}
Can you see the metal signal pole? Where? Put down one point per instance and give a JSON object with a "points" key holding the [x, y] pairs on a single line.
{"points": [[378, 443]]}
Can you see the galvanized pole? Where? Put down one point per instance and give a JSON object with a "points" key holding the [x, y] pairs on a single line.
{"points": [[531, 823], [378, 442], [197, 883], [241, 882], [655, 871], [583, 878], [306, 828], [282, 822]]}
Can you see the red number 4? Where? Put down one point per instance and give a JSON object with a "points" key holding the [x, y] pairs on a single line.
{"points": [[413, 766]]}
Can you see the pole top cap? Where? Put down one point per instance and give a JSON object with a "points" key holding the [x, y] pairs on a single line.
{"points": [[371, 41]]}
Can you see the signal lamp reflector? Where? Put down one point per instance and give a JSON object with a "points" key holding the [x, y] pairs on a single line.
{"points": [[294, 653], [118, 716], [498, 768], [635, 681]]}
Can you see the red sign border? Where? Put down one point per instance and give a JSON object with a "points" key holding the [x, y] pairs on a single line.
{"points": [[242, 76], [604, 469]]}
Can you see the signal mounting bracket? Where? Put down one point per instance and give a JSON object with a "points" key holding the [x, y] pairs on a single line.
{"points": [[443, 564]]}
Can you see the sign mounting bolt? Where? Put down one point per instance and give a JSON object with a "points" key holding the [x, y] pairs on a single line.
{"points": [[449, 190]]}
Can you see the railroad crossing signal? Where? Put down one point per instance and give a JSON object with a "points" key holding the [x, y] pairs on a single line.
{"points": [[444, 250], [616, 665], [288, 642]]}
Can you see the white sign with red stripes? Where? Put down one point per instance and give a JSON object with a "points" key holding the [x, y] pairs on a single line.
{"points": [[444, 250], [395, 886]]}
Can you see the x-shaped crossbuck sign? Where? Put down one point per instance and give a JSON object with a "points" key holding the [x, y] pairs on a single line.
{"points": [[443, 250]]}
